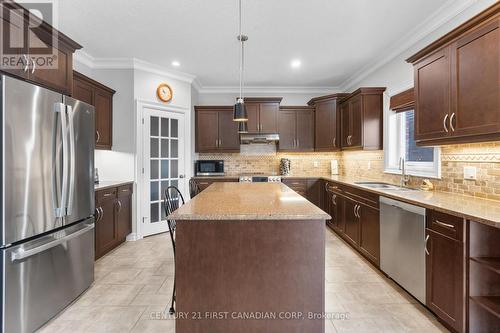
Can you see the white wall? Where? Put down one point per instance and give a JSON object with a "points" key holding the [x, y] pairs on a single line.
{"points": [[397, 74]]}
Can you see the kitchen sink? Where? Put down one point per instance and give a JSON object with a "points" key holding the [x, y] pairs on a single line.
{"points": [[384, 186]]}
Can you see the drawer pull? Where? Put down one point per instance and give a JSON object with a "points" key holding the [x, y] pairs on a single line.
{"points": [[108, 194], [446, 225], [125, 190]]}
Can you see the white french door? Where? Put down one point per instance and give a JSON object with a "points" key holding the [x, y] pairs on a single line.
{"points": [[163, 165]]}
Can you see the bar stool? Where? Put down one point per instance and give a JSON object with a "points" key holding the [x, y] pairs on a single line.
{"points": [[173, 199]]}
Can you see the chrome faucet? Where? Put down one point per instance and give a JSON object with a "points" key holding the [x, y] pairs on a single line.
{"points": [[405, 179]]}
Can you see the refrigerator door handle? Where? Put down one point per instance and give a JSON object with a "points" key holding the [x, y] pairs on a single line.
{"points": [[23, 254], [71, 157], [61, 207]]}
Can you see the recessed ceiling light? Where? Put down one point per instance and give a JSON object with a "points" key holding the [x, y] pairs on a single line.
{"points": [[295, 63], [176, 63]]}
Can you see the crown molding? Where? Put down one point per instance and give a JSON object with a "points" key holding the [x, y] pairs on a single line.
{"points": [[131, 63], [444, 14], [268, 90]]}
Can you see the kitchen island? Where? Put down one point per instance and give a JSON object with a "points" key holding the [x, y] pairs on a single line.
{"points": [[250, 257]]}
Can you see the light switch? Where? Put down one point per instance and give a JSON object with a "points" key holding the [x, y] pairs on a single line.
{"points": [[470, 173]]}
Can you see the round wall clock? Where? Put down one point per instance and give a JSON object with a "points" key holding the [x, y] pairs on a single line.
{"points": [[164, 92]]}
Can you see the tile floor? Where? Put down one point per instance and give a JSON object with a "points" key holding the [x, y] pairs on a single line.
{"points": [[133, 285]]}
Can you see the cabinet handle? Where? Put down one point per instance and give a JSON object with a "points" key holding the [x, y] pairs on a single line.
{"points": [[98, 136], [119, 205], [220, 142], [354, 210], [426, 251], [349, 140], [298, 143], [99, 214], [334, 200], [451, 121], [335, 142], [34, 66], [359, 211], [444, 123], [446, 225], [108, 194], [26, 60]]}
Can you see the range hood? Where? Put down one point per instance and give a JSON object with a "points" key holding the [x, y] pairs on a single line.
{"points": [[252, 138]]}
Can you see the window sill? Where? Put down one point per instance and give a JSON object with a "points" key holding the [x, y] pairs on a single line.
{"points": [[414, 173]]}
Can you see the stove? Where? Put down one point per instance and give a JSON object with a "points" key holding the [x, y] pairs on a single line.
{"points": [[259, 178]]}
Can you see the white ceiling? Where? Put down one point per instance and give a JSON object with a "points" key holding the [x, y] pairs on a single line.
{"points": [[332, 38]]}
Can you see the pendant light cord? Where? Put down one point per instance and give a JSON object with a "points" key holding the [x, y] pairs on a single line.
{"points": [[242, 41]]}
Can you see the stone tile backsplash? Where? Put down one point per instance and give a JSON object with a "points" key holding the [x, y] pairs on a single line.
{"points": [[370, 165]]}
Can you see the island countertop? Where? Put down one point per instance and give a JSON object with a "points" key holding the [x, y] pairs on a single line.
{"points": [[248, 201]]}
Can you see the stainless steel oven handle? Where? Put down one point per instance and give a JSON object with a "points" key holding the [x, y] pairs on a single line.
{"points": [[72, 153], [23, 254]]}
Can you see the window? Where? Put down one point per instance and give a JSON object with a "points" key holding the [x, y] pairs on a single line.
{"points": [[400, 143]]}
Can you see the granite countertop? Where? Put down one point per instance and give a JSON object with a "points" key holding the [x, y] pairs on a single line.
{"points": [[480, 210], [107, 184], [476, 209], [249, 201]]}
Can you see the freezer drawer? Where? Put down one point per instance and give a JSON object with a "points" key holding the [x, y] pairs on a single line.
{"points": [[43, 276]]}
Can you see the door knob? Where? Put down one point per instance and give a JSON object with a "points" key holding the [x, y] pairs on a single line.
{"points": [[181, 176]]}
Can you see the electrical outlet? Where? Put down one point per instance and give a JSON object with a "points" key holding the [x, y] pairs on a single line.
{"points": [[316, 164], [369, 165], [470, 173]]}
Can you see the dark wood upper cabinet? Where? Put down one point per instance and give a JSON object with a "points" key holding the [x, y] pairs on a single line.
{"points": [[215, 129], [46, 61], [362, 119], [262, 114], [296, 128], [287, 123], [432, 96], [457, 96], [94, 93], [253, 117], [229, 138], [327, 122]]}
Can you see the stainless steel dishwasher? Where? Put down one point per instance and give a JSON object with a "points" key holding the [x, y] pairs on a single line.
{"points": [[402, 245]]}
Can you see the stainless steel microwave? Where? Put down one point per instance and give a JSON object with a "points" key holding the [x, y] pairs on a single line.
{"points": [[209, 168]]}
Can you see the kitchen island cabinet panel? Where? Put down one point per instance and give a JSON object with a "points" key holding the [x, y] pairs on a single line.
{"points": [[264, 242]]}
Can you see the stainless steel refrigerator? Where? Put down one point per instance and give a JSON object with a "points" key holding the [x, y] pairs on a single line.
{"points": [[47, 203]]}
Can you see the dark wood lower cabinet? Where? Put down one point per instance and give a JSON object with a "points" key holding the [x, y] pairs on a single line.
{"points": [[113, 218], [355, 218], [105, 228], [351, 221], [369, 233], [445, 279]]}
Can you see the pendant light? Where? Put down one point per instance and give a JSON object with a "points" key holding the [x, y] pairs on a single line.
{"points": [[242, 127], [240, 111]]}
